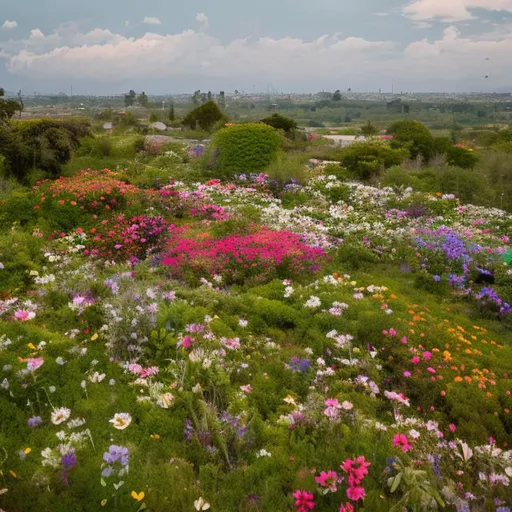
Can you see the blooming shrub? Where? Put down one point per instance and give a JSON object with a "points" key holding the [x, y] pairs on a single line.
{"points": [[121, 238], [260, 255]]}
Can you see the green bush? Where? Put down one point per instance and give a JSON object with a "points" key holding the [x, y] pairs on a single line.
{"points": [[203, 117], [280, 122], [367, 159], [287, 168], [415, 137], [245, 148]]}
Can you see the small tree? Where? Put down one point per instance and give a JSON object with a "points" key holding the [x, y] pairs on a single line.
{"points": [[413, 136], [369, 129], [196, 98], [143, 100], [222, 100], [336, 96], [172, 113], [280, 122], [8, 107], [204, 117], [129, 99], [367, 159]]}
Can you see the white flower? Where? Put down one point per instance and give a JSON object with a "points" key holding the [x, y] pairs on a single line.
{"points": [[313, 302], [96, 377], [347, 405], [61, 435], [242, 322], [201, 504], [121, 420], [165, 400], [263, 453], [60, 415], [52, 389], [60, 361], [414, 434]]}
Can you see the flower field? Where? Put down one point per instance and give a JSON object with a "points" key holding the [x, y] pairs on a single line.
{"points": [[250, 346]]}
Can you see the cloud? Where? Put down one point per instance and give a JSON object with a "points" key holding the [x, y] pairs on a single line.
{"points": [[102, 57], [9, 24], [148, 20], [450, 11], [381, 14], [203, 19]]}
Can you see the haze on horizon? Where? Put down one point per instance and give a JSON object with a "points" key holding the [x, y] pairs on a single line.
{"points": [[165, 46]]}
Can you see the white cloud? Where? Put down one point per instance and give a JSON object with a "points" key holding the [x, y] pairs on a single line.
{"points": [[452, 10], [203, 19], [148, 20], [381, 14], [36, 34], [103, 57], [9, 24]]}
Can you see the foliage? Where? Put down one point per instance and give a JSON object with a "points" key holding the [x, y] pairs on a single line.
{"points": [[414, 136], [368, 159], [244, 148], [280, 122], [204, 117], [369, 129], [8, 107]]}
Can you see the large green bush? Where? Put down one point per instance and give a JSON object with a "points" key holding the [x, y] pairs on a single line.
{"points": [[204, 117], [413, 136], [245, 148], [367, 159]]}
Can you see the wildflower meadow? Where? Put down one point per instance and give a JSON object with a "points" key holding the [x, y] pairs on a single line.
{"points": [[248, 344]]}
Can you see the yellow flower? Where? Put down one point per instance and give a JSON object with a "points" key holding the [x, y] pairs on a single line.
{"points": [[137, 496]]}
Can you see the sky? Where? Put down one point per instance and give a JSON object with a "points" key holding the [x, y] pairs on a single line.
{"points": [[170, 47]]}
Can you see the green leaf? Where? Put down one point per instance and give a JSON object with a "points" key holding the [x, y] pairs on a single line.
{"points": [[396, 482], [103, 483]]}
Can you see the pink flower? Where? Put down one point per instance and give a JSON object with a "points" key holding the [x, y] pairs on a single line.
{"points": [[332, 402], [187, 341], [24, 315], [401, 441], [431, 370], [404, 340], [328, 479], [427, 355], [346, 508], [304, 501], [356, 493], [357, 469], [407, 374], [247, 388], [415, 360], [34, 363], [392, 332], [452, 427]]}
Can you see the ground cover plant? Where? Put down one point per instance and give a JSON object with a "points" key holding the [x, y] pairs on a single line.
{"points": [[256, 343]]}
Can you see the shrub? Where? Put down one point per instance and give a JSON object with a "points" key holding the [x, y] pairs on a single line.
{"points": [[367, 159], [259, 255], [287, 169], [415, 137], [280, 122], [245, 148], [203, 117]]}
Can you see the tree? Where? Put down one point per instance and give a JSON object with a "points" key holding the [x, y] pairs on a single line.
{"points": [[204, 116], [172, 114], [369, 129], [143, 100], [196, 98], [8, 107], [209, 95], [280, 122], [413, 136], [336, 96], [129, 99], [222, 100], [367, 159]]}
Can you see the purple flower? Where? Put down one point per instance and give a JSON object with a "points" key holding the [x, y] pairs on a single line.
{"points": [[68, 461], [35, 421]]}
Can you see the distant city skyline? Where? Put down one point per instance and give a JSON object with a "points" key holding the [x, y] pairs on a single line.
{"points": [[166, 47]]}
